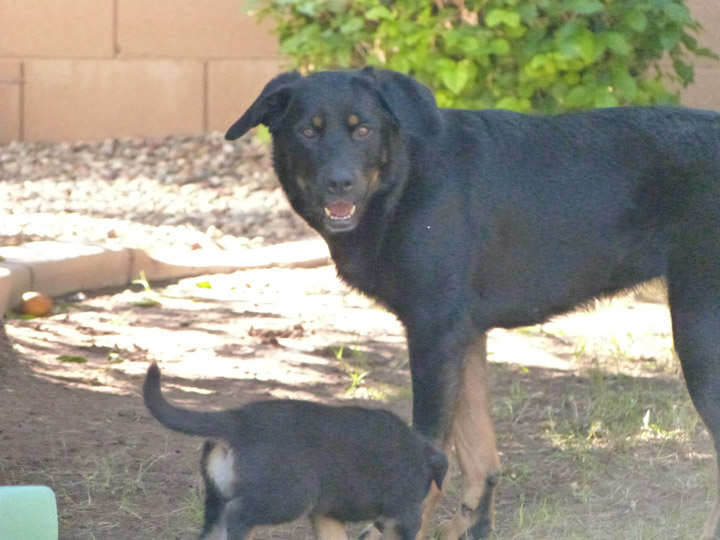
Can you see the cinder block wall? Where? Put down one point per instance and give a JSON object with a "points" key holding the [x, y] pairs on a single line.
{"points": [[704, 93], [91, 69]]}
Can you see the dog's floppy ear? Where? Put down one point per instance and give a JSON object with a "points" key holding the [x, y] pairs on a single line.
{"points": [[271, 101], [410, 103]]}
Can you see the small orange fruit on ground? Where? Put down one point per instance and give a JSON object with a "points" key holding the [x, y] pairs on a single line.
{"points": [[36, 303]]}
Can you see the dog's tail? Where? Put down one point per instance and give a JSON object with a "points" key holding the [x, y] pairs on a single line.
{"points": [[214, 424]]}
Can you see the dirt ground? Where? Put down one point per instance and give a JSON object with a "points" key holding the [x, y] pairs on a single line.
{"points": [[72, 417]]}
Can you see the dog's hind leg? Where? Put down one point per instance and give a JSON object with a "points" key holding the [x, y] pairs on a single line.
{"points": [[694, 297], [326, 528], [237, 525], [474, 439], [697, 341]]}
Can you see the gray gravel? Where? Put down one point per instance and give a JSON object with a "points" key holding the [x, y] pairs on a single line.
{"points": [[181, 192]]}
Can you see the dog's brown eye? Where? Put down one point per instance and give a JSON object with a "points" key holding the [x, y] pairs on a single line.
{"points": [[309, 133], [361, 131]]}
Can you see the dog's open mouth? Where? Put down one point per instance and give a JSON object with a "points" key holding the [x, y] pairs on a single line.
{"points": [[340, 211], [340, 216]]}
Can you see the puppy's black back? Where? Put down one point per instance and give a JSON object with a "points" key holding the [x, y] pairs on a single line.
{"points": [[353, 463]]}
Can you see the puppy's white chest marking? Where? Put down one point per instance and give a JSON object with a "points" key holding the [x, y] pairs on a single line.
{"points": [[220, 469]]}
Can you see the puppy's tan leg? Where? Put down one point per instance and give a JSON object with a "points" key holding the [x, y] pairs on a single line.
{"points": [[474, 439], [327, 528], [429, 506]]}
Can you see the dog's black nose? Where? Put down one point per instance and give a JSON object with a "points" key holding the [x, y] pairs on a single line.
{"points": [[339, 184]]}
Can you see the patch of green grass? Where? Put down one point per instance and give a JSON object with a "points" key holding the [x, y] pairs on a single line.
{"points": [[616, 411], [354, 364], [586, 516], [148, 298]]}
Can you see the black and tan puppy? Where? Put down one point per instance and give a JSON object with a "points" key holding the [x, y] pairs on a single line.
{"points": [[274, 461], [462, 221]]}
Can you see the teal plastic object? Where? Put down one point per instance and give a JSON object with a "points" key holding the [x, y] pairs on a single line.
{"points": [[28, 513]]}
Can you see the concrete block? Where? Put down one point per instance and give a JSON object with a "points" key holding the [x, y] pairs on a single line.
{"points": [[56, 28], [15, 279], [10, 101], [233, 85], [95, 99], [706, 12], [191, 29], [10, 72], [703, 94], [165, 267], [175, 264], [58, 268]]}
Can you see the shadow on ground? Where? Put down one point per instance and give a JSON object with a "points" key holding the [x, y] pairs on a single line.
{"points": [[594, 425]]}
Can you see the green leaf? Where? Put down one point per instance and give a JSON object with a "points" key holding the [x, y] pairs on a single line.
{"points": [[455, 75], [684, 70], [670, 36], [625, 84], [499, 47], [528, 11], [579, 97], [146, 302], [352, 26], [496, 17], [604, 98], [512, 103], [454, 79], [678, 13], [306, 8], [262, 134], [585, 45], [636, 20], [203, 285], [617, 43], [378, 12], [72, 359], [586, 7], [707, 53]]}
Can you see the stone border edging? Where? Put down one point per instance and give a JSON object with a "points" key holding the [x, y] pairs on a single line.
{"points": [[57, 268]]}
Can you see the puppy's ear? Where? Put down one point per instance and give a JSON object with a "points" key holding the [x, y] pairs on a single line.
{"points": [[271, 102], [411, 104], [439, 464]]}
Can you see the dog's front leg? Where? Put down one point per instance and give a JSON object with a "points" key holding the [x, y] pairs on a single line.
{"points": [[450, 405], [474, 439]]}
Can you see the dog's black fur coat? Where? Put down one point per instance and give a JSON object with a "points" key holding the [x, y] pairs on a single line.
{"points": [[289, 458], [468, 220]]}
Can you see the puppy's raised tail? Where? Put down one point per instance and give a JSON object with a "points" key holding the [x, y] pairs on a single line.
{"points": [[214, 425]]}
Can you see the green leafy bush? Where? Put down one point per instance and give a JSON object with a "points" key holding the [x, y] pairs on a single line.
{"points": [[526, 55]]}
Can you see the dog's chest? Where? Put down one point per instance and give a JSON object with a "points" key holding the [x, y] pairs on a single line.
{"points": [[374, 278]]}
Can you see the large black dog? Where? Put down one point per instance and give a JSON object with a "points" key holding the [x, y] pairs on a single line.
{"points": [[462, 221]]}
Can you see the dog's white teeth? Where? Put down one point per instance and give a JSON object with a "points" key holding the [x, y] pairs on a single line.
{"points": [[342, 212]]}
